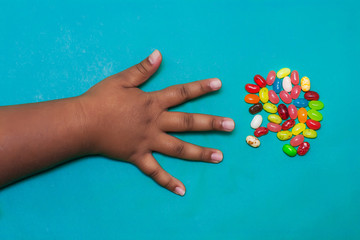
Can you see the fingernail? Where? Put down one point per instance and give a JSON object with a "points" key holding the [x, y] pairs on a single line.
{"points": [[215, 84], [216, 156], [228, 124], [154, 56], [179, 191]]}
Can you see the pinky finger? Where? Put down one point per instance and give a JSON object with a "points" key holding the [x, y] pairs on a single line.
{"points": [[149, 166]]}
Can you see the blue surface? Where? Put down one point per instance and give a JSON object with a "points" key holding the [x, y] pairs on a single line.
{"points": [[60, 49]]}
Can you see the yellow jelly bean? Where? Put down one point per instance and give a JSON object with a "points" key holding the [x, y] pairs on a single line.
{"points": [[275, 118], [264, 95], [284, 135], [270, 108], [309, 133], [283, 72], [305, 84], [298, 128]]}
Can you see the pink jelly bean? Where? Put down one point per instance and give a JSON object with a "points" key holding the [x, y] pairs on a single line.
{"points": [[285, 97], [295, 92], [273, 127], [271, 78], [297, 140], [273, 97], [292, 111], [294, 77]]}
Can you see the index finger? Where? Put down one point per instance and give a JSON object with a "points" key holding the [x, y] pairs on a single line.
{"points": [[177, 94]]}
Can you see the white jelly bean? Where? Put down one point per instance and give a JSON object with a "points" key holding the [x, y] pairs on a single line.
{"points": [[256, 122], [253, 141], [287, 84]]}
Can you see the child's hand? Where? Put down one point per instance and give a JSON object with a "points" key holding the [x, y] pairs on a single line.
{"points": [[124, 122]]}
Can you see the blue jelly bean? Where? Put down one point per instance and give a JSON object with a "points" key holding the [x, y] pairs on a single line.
{"points": [[300, 102], [277, 87]]}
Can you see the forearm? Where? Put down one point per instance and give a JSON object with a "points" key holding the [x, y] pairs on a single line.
{"points": [[37, 136]]}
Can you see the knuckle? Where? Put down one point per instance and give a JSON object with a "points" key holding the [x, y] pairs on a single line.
{"points": [[142, 69], [168, 184], [154, 173], [184, 92], [179, 149], [188, 121]]}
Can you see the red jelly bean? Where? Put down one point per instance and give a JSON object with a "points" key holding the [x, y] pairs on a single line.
{"points": [[303, 148], [311, 95], [295, 92], [294, 77], [261, 131], [259, 80], [273, 97], [288, 124], [274, 127], [297, 140], [312, 124], [252, 88], [292, 111], [283, 111], [271, 78], [285, 97]]}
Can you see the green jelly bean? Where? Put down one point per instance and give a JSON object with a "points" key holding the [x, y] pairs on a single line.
{"points": [[270, 108], [317, 105], [284, 135], [315, 115], [274, 118], [309, 133], [289, 150]]}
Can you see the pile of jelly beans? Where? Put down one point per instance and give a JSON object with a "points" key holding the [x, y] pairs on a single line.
{"points": [[298, 124]]}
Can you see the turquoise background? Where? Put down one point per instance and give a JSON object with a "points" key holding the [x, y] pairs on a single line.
{"points": [[60, 49]]}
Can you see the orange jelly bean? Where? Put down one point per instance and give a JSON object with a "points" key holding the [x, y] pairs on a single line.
{"points": [[252, 98], [302, 115]]}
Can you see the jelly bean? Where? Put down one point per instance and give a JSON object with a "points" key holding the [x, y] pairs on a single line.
{"points": [[270, 108], [292, 111], [297, 140], [252, 98], [264, 95], [309, 133], [298, 128], [288, 124], [273, 97], [295, 92], [256, 108], [253, 141], [289, 150], [274, 127], [311, 95], [277, 86], [283, 72], [252, 88], [274, 118], [283, 111], [294, 77], [303, 148], [317, 105], [259, 80], [300, 102], [315, 115], [270, 78], [305, 84], [312, 124], [284, 135], [256, 122], [287, 84], [285, 97], [261, 131], [302, 115]]}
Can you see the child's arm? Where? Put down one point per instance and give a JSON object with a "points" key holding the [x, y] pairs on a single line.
{"points": [[115, 119]]}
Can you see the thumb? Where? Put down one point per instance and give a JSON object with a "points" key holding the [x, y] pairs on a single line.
{"points": [[139, 73]]}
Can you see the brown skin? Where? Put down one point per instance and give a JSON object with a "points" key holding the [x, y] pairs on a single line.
{"points": [[115, 119]]}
